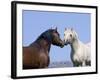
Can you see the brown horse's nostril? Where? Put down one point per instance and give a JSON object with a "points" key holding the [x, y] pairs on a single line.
{"points": [[62, 44]]}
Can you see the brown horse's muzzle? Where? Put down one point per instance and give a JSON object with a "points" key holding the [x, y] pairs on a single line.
{"points": [[61, 44], [58, 42]]}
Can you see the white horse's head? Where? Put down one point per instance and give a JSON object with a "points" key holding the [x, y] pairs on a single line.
{"points": [[69, 36]]}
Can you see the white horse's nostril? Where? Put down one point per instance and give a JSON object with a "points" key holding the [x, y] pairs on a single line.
{"points": [[64, 40], [67, 40]]}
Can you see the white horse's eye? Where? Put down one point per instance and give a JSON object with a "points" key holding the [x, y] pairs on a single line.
{"points": [[70, 35]]}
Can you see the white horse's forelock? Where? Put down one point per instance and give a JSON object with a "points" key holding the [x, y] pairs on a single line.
{"points": [[71, 30]]}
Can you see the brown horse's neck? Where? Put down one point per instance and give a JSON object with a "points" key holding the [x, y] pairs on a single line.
{"points": [[43, 44]]}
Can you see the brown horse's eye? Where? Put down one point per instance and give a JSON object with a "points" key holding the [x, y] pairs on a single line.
{"points": [[56, 33]]}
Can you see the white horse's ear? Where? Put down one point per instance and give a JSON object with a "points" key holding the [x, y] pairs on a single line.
{"points": [[65, 28], [71, 29]]}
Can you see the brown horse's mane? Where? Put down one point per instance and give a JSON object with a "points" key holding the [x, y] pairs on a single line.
{"points": [[45, 35]]}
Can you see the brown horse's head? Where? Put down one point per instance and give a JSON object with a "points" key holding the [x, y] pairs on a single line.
{"points": [[53, 37], [56, 40]]}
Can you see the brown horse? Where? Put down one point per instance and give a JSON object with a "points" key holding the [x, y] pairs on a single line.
{"points": [[36, 55]]}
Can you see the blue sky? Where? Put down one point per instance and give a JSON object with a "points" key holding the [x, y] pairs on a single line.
{"points": [[36, 22]]}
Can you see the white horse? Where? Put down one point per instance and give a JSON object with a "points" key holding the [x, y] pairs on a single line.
{"points": [[80, 52]]}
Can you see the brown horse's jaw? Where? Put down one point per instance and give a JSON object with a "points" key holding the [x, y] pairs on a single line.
{"points": [[62, 44]]}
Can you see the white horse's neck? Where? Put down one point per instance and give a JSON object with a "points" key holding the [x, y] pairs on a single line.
{"points": [[75, 45]]}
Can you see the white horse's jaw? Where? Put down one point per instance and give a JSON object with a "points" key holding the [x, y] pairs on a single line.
{"points": [[66, 43]]}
